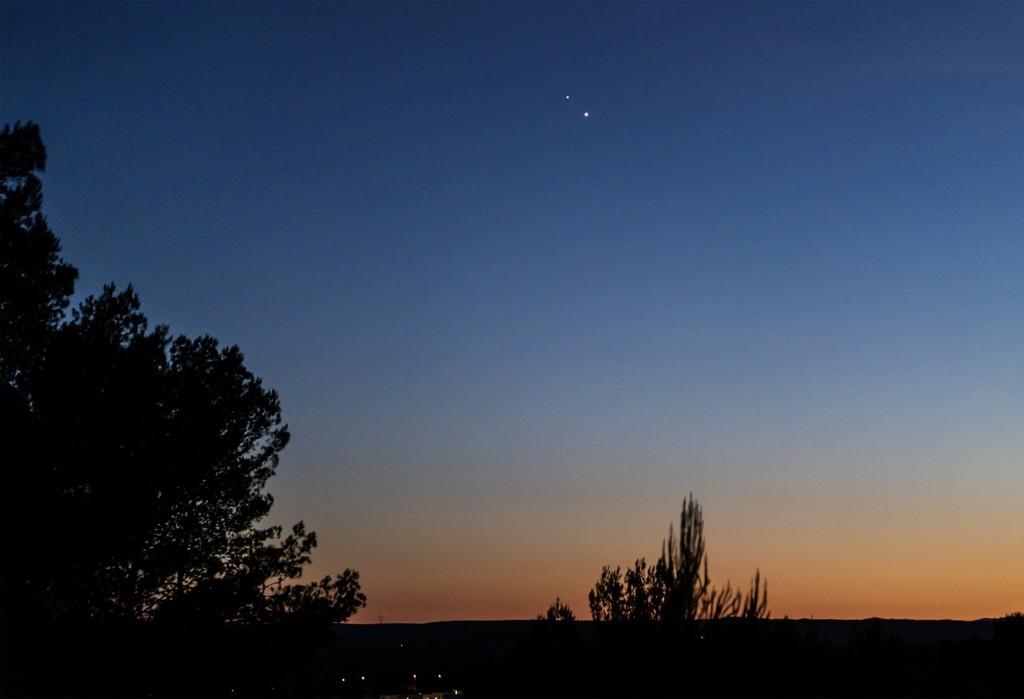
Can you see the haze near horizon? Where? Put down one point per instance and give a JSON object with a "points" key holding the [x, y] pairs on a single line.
{"points": [[527, 274]]}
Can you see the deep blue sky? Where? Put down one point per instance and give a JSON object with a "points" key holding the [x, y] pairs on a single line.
{"points": [[781, 264]]}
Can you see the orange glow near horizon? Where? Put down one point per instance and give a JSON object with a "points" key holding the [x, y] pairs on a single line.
{"points": [[947, 546], [818, 572], [979, 600], [853, 558]]}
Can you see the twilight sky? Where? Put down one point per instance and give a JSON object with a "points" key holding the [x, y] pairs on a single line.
{"points": [[780, 265]]}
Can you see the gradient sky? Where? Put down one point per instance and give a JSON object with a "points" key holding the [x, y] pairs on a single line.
{"points": [[780, 265]]}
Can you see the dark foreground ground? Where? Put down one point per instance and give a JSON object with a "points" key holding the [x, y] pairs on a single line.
{"points": [[819, 658], [812, 658]]}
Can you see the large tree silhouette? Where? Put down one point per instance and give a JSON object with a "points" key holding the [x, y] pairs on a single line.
{"points": [[134, 463], [35, 283]]}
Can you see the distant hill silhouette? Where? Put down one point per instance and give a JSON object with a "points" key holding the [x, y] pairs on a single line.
{"points": [[910, 630]]}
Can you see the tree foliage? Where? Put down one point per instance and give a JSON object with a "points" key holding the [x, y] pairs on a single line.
{"points": [[35, 282], [134, 463], [558, 611], [677, 588]]}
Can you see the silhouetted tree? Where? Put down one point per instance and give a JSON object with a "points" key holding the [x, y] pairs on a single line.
{"points": [[607, 599], [35, 287], [637, 595], [677, 588], [557, 612], [644, 593], [134, 464], [755, 606], [35, 283]]}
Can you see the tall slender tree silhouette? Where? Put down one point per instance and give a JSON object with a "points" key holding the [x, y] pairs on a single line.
{"points": [[678, 587]]}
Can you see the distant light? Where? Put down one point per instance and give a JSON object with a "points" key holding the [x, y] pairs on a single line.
{"points": [[586, 115], [362, 677], [567, 97]]}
